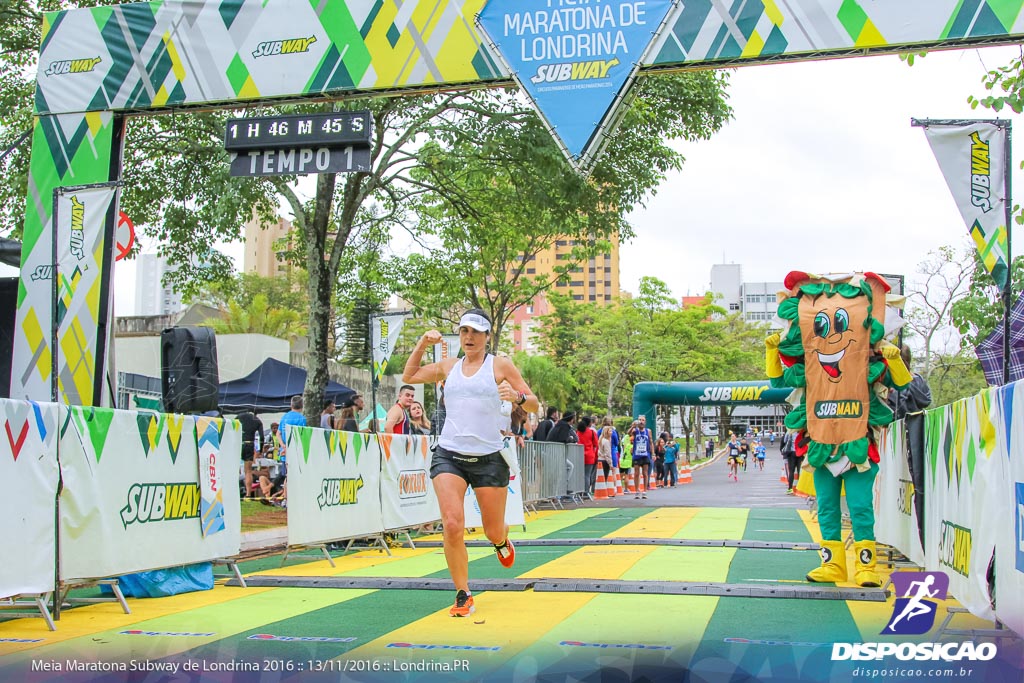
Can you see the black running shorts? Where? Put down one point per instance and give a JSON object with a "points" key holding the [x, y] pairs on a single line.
{"points": [[248, 451], [478, 470], [642, 461]]}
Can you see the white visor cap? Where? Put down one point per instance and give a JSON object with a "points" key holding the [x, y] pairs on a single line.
{"points": [[477, 322]]}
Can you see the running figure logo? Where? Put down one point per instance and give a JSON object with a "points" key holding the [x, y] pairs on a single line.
{"points": [[914, 611]]}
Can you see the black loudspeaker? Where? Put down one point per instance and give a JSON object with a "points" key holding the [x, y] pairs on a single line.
{"points": [[188, 369], [8, 313]]}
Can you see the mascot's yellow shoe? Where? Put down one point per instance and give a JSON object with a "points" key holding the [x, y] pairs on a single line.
{"points": [[865, 574], [833, 564]]}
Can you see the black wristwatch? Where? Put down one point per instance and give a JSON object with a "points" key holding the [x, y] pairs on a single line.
{"points": [[522, 399]]}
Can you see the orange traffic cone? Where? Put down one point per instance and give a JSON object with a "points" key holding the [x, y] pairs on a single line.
{"points": [[600, 488], [618, 485], [609, 485], [685, 475], [784, 478]]}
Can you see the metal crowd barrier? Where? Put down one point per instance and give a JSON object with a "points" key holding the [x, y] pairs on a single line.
{"points": [[551, 471]]}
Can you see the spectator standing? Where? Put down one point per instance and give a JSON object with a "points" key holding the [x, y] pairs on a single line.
{"points": [[793, 461], [586, 437], [397, 421], [252, 443], [671, 465], [604, 453], [659, 458], [563, 431], [327, 415], [345, 418], [625, 462], [546, 425], [909, 404], [418, 422], [293, 417]]}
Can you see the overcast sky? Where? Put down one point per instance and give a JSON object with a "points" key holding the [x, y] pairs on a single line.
{"points": [[820, 170]]}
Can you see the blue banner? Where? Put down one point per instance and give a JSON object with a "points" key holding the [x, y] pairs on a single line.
{"points": [[575, 59]]}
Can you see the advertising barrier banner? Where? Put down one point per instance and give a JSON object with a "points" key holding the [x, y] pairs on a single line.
{"points": [[1010, 540], [513, 503], [132, 498], [964, 485], [895, 516], [333, 485], [406, 493], [28, 464]]}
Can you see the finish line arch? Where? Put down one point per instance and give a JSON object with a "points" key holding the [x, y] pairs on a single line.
{"points": [[647, 395], [99, 65]]}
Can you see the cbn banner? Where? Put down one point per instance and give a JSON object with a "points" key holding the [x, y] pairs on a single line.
{"points": [[964, 496], [132, 499], [384, 331], [406, 493], [333, 485], [972, 158], [513, 503], [28, 464], [895, 516], [1010, 541]]}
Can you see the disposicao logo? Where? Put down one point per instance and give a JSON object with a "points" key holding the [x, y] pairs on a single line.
{"points": [[300, 639], [917, 599], [283, 47], [72, 66]]}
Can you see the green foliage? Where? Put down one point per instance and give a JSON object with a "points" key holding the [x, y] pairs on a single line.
{"points": [[499, 193], [258, 317], [1008, 80], [977, 314], [550, 383], [955, 376], [608, 349]]}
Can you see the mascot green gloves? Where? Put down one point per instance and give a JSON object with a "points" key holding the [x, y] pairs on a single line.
{"points": [[833, 354]]}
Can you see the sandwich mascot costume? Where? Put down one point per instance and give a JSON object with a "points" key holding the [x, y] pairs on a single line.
{"points": [[833, 354]]}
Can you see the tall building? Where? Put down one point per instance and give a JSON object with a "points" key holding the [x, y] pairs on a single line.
{"points": [[755, 300], [262, 251], [152, 297], [597, 279], [594, 280]]}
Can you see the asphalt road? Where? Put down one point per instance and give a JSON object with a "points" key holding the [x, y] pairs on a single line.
{"points": [[712, 487]]}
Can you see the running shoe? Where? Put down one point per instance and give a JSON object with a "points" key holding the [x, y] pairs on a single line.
{"points": [[644, 496], [506, 553], [463, 605]]}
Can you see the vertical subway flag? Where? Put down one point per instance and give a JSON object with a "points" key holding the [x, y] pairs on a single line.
{"points": [[384, 331], [972, 158], [82, 235]]}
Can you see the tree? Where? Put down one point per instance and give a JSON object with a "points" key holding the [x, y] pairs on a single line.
{"points": [[944, 277], [258, 317], [977, 314], [549, 382], [955, 376], [608, 349], [501, 194]]}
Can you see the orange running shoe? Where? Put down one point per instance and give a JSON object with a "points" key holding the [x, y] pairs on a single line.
{"points": [[506, 553], [463, 605]]}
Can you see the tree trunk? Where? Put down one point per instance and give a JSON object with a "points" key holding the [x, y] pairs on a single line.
{"points": [[319, 290]]}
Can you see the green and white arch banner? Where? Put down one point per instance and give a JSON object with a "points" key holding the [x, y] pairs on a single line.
{"points": [[161, 55]]}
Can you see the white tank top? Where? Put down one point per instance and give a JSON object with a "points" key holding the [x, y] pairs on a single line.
{"points": [[473, 422]]}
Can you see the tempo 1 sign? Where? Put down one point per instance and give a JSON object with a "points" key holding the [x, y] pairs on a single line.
{"points": [[300, 161]]}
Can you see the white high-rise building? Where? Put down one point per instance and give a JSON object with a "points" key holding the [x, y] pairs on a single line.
{"points": [[755, 300], [152, 297]]}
